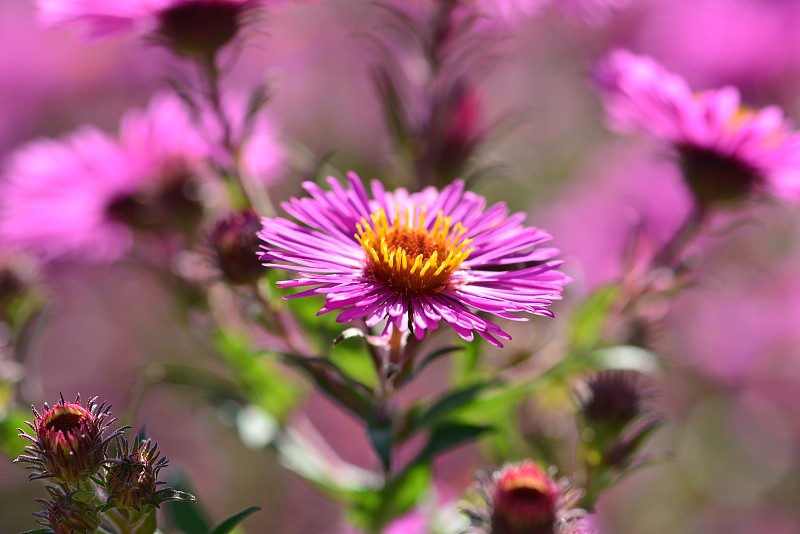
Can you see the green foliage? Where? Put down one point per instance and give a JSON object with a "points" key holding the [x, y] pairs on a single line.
{"points": [[265, 384], [373, 509], [11, 444], [229, 524], [589, 319]]}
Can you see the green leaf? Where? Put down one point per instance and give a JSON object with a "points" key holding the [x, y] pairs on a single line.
{"points": [[10, 443], [449, 435], [349, 393], [264, 382], [445, 406], [38, 531], [426, 361], [590, 318], [186, 517], [149, 525], [373, 510], [230, 523], [381, 436]]}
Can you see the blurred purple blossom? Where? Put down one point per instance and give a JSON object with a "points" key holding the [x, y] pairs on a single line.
{"points": [[728, 151], [57, 196]]}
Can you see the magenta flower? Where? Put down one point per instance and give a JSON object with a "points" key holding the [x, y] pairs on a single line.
{"points": [[727, 151], [414, 259], [196, 28], [80, 197]]}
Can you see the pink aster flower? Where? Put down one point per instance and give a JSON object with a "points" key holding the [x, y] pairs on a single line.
{"points": [[80, 196], [190, 27], [414, 259], [727, 151]]}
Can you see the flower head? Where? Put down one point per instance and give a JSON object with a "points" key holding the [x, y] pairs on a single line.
{"points": [[414, 259], [66, 515], [189, 27], [132, 477], [81, 196], [522, 499], [68, 442], [235, 246], [728, 152], [612, 398]]}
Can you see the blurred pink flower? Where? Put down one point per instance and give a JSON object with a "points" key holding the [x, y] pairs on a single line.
{"points": [[590, 11], [68, 198], [727, 150], [414, 259], [104, 17]]}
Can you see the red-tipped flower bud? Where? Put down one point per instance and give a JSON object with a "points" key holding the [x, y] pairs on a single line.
{"points": [[67, 442], [526, 501]]}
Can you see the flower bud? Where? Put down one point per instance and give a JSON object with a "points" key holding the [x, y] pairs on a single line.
{"points": [[235, 247], [200, 29], [522, 499], [610, 400], [66, 515], [67, 441], [132, 478], [525, 501]]}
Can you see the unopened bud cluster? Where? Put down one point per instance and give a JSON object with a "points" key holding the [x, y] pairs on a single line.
{"points": [[71, 447]]}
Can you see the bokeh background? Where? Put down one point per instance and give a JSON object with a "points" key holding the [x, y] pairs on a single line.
{"points": [[732, 342]]}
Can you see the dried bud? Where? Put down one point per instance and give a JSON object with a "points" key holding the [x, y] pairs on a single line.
{"points": [[610, 400], [201, 29], [67, 442], [66, 515], [522, 499], [236, 245]]}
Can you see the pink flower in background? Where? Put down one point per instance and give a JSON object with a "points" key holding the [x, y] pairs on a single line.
{"points": [[78, 197], [727, 151], [590, 11], [414, 259], [195, 28], [103, 17]]}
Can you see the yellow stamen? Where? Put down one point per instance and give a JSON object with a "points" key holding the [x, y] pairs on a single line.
{"points": [[408, 256]]}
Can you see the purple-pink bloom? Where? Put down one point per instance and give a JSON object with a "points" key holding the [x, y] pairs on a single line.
{"points": [[727, 150], [104, 17], [414, 259], [76, 197]]}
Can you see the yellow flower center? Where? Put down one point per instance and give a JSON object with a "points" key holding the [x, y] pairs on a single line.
{"points": [[408, 256]]}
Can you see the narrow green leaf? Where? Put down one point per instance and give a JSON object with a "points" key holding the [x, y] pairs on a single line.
{"points": [[453, 401], [230, 523], [590, 318], [449, 435], [381, 435], [427, 360], [186, 517]]}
